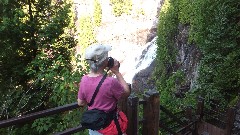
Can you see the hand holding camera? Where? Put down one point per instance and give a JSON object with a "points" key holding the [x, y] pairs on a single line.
{"points": [[114, 65]]}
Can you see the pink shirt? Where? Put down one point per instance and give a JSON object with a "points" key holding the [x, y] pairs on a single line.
{"points": [[108, 95]]}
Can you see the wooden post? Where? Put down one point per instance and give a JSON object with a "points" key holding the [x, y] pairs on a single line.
{"points": [[189, 113], [189, 116], [122, 103], [199, 110], [230, 120], [132, 115], [199, 114], [151, 113]]}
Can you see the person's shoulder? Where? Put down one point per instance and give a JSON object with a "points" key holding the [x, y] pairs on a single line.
{"points": [[112, 80], [85, 77], [109, 78]]}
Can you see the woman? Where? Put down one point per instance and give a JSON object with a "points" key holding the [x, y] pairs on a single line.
{"points": [[111, 90]]}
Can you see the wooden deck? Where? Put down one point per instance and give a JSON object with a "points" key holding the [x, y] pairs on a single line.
{"points": [[205, 128]]}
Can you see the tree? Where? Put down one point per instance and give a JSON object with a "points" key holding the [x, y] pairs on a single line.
{"points": [[37, 51], [97, 15], [86, 34]]}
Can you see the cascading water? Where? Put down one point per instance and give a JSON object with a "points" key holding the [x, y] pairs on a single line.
{"points": [[141, 61]]}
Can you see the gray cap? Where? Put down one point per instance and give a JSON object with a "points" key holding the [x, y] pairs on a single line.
{"points": [[97, 52]]}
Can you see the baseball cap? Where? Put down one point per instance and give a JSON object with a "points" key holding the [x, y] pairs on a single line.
{"points": [[97, 52]]}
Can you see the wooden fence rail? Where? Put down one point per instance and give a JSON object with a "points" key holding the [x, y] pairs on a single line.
{"points": [[30, 117], [148, 119], [203, 126], [130, 106]]}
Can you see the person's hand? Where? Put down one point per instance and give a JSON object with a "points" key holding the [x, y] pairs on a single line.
{"points": [[115, 68]]}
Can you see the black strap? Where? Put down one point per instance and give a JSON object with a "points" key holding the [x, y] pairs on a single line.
{"points": [[97, 89], [117, 124]]}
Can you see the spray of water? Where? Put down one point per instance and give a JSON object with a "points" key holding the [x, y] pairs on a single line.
{"points": [[141, 61]]}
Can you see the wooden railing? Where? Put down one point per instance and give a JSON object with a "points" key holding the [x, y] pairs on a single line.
{"points": [[197, 122], [30, 117], [36, 115], [33, 116], [223, 120], [143, 113], [130, 106]]}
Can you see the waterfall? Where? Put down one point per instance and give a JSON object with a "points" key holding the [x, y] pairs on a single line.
{"points": [[141, 61]]}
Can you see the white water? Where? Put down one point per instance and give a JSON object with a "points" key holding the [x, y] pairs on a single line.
{"points": [[139, 62]]}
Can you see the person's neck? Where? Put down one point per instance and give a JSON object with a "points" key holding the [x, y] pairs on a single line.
{"points": [[95, 74]]}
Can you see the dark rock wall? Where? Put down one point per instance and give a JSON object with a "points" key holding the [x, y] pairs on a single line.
{"points": [[187, 60], [188, 57]]}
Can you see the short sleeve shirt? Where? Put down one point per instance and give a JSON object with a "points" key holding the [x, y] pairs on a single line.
{"points": [[108, 95]]}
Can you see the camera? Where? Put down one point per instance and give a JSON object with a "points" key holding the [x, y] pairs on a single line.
{"points": [[111, 63]]}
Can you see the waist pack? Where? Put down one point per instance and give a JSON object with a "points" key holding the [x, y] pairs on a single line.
{"points": [[96, 119]]}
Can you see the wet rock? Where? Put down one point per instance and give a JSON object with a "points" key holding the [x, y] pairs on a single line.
{"points": [[187, 60], [152, 34], [143, 81]]}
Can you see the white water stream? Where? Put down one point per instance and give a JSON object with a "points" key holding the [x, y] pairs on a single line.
{"points": [[133, 64]]}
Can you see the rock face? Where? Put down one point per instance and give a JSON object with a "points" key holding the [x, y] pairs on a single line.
{"points": [[142, 81], [187, 59]]}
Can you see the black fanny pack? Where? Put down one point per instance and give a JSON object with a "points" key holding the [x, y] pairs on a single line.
{"points": [[96, 119]]}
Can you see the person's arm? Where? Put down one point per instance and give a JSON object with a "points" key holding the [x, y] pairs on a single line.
{"points": [[80, 96], [124, 84], [81, 103], [115, 70]]}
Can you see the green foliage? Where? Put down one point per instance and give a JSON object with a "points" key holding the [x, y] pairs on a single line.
{"points": [[57, 123], [86, 32], [39, 70], [214, 27], [165, 75], [13, 51], [218, 39], [234, 101], [56, 77], [121, 6], [20, 130], [185, 13], [97, 15], [43, 124], [215, 30]]}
